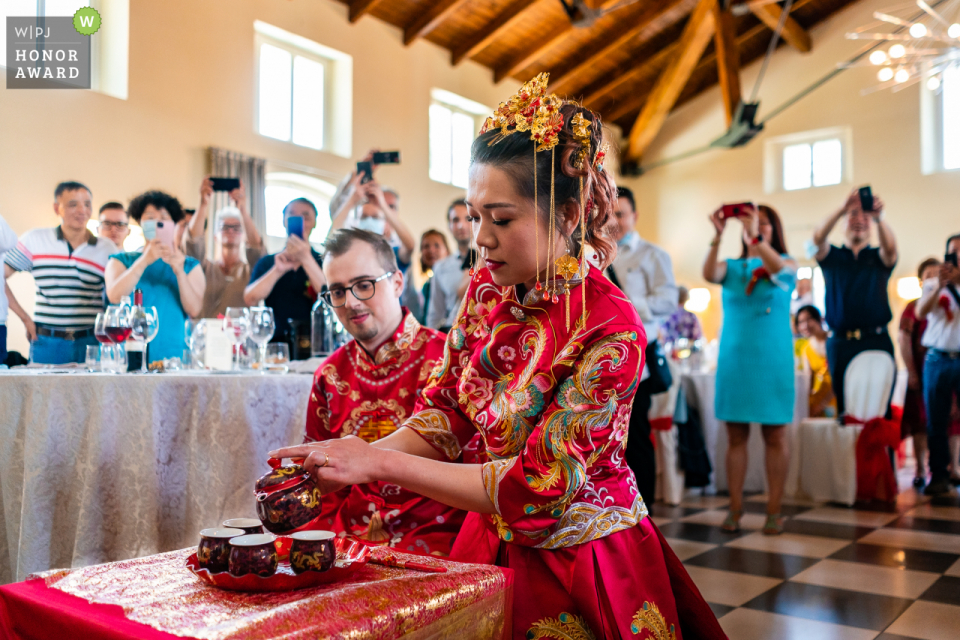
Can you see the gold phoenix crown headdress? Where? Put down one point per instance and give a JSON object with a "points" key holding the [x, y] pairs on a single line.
{"points": [[533, 109]]}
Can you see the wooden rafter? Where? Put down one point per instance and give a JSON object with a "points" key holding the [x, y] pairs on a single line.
{"points": [[530, 56], [648, 25], [792, 33], [430, 19], [728, 60], [360, 7], [696, 36], [478, 41]]}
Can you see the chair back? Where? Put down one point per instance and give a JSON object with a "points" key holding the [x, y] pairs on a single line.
{"points": [[867, 384]]}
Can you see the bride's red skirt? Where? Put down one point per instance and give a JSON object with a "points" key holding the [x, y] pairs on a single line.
{"points": [[617, 586]]}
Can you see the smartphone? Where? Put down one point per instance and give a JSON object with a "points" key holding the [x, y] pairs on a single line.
{"points": [[739, 210], [225, 184], [950, 258], [166, 231], [366, 168], [386, 157], [866, 198], [295, 226]]}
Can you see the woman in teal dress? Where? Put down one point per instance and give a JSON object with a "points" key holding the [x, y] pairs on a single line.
{"points": [[755, 377], [169, 280]]}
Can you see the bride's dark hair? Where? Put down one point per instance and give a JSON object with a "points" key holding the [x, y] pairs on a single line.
{"points": [[514, 155]]}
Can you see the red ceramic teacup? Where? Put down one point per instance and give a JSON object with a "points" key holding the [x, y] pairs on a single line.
{"points": [[312, 551], [249, 525], [253, 554], [213, 553]]}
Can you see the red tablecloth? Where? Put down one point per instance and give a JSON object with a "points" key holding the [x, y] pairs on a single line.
{"points": [[147, 597]]}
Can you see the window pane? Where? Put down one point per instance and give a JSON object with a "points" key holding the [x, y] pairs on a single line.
{"points": [[440, 118], [307, 103], [275, 76], [462, 135], [951, 117], [796, 167], [276, 198], [827, 164]]}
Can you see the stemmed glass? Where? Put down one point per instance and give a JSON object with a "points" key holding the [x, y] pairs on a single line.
{"points": [[195, 335], [144, 325], [262, 326], [106, 343], [117, 325], [236, 324]]}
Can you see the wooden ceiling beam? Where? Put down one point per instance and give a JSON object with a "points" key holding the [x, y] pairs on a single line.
{"points": [[530, 56], [649, 24], [480, 40], [358, 8], [696, 36], [430, 19], [728, 60], [793, 33]]}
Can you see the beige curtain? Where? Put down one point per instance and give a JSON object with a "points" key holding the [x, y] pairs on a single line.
{"points": [[252, 171]]}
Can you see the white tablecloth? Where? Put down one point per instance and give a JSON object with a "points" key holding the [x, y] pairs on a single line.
{"points": [[699, 389], [99, 467]]}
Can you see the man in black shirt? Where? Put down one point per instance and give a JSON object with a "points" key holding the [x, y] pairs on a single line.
{"points": [[856, 277], [289, 281]]}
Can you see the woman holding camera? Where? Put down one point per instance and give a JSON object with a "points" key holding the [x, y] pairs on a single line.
{"points": [[755, 377]]}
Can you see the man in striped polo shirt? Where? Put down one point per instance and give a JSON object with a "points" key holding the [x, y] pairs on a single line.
{"points": [[67, 263]]}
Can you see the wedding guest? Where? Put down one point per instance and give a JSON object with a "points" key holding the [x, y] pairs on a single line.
{"points": [[914, 421], [755, 368], [8, 240], [170, 280], [802, 297], [450, 275], [289, 281], [813, 358], [66, 258], [644, 272], [226, 277], [681, 323], [114, 223], [368, 387], [370, 207], [433, 249], [940, 307], [856, 276]]}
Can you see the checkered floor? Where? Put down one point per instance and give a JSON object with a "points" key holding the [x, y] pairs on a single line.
{"points": [[871, 572]]}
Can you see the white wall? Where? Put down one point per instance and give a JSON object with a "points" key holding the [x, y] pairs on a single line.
{"points": [[191, 85]]}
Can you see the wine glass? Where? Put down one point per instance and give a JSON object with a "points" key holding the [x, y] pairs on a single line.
{"points": [[144, 325], [117, 324], [236, 324], [195, 335], [106, 343], [262, 327]]}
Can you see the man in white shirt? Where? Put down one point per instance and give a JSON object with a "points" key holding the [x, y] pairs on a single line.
{"points": [[644, 272], [8, 240], [450, 279], [940, 306]]}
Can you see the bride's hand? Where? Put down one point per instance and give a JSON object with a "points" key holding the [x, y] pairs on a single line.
{"points": [[336, 463]]}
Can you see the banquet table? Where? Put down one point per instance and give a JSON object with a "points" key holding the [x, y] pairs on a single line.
{"points": [[157, 598], [699, 390], [99, 467]]}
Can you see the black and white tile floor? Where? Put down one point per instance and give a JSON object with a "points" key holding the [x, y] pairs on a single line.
{"points": [[864, 573]]}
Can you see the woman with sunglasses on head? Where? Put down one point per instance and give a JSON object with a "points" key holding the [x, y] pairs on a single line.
{"points": [[542, 362]]}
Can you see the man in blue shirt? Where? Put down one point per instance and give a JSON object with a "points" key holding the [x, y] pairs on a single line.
{"points": [[856, 277]]}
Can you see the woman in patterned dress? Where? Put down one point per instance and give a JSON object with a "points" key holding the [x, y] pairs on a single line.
{"points": [[545, 370]]}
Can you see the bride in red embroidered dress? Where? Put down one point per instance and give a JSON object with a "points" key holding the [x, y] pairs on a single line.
{"points": [[543, 362]]}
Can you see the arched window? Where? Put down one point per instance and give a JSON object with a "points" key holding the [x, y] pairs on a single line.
{"points": [[282, 187]]}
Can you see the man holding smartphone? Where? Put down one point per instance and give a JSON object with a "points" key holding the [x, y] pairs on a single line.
{"points": [[856, 277], [288, 281], [940, 306]]}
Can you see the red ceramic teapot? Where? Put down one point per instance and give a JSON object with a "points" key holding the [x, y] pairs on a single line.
{"points": [[288, 499]]}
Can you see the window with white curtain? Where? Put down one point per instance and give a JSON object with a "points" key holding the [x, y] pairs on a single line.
{"points": [[454, 123]]}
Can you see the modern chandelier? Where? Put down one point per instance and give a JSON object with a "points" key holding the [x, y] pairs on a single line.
{"points": [[916, 41]]}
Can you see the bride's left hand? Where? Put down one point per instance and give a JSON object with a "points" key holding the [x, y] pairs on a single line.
{"points": [[336, 463]]}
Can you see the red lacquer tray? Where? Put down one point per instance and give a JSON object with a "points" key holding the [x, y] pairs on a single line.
{"points": [[351, 556]]}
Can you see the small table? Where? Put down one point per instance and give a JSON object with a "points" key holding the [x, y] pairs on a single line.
{"points": [[157, 598], [100, 467]]}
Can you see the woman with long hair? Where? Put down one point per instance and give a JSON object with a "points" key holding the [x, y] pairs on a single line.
{"points": [[755, 367], [813, 357], [542, 361]]}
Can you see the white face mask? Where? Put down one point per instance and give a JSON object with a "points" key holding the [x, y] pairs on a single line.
{"points": [[373, 225]]}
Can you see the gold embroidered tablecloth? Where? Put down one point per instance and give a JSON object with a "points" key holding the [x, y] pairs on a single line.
{"points": [[469, 600]]}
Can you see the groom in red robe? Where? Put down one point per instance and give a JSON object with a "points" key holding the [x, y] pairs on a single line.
{"points": [[368, 387]]}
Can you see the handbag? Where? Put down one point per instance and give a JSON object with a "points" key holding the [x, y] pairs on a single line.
{"points": [[660, 377]]}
